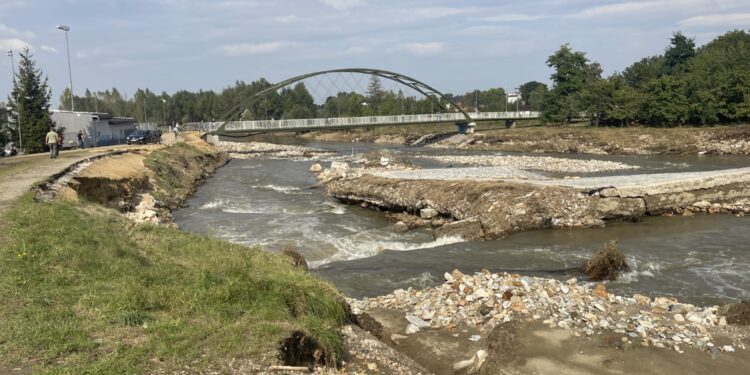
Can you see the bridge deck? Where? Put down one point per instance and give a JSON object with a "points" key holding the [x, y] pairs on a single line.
{"points": [[352, 122]]}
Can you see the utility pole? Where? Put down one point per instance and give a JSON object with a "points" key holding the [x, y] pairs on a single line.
{"points": [[70, 72], [18, 104], [476, 101], [164, 111]]}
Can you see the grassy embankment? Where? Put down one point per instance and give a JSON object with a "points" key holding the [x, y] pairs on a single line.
{"points": [[85, 291]]}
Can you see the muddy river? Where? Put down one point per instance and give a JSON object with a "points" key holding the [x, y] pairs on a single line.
{"points": [[273, 203]]}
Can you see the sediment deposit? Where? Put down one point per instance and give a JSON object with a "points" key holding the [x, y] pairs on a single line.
{"points": [[536, 163], [243, 150], [485, 300], [481, 203]]}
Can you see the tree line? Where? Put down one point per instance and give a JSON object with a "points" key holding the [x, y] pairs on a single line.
{"points": [[234, 102], [685, 85]]}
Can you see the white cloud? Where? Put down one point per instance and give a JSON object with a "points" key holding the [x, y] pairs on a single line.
{"points": [[437, 12], [343, 4], [514, 17], [6, 30], [485, 30], [725, 20], [13, 44], [423, 49], [642, 7], [287, 19], [48, 48], [242, 49]]}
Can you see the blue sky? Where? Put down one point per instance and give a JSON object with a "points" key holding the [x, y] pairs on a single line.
{"points": [[454, 45]]}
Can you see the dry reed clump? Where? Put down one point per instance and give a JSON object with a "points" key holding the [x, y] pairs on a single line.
{"points": [[606, 264]]}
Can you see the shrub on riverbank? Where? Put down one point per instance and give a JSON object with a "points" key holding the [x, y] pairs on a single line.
{"points": [[85, 291], [606, 264]]}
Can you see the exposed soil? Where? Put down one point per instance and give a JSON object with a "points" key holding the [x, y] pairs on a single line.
{"points": [[19, 174], [531, 347]]}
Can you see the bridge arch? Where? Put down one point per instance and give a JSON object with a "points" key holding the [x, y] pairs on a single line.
{"points": [[412, 83]]}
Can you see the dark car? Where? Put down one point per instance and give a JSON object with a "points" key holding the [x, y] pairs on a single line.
{"points": [[143, 137]]}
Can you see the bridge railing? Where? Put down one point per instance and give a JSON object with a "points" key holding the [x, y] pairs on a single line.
{"points": [[343, 122]]}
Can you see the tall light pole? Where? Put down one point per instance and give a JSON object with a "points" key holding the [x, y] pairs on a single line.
{"points": [[70, 72], [163, 112], [18, 104]]}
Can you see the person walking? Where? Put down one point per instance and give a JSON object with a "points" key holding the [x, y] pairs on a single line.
{"points": [[60, 143], [79, 137], [52, 140]]}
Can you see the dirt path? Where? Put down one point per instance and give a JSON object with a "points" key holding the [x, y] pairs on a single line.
{"points": [[18, 174]]}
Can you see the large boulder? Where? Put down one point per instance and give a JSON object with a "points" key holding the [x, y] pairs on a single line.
{"points": [[428, 213]]}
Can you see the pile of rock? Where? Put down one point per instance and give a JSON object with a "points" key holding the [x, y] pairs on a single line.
{"points": [[740, 207], [484, 300], [536, 163], [146, 211], [249, 150]]}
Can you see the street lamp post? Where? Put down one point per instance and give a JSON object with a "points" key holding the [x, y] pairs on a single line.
{"points": [[18, 104], [164, 111], [70, 71]]}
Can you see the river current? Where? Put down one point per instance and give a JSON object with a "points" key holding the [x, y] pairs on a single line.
{"points": [[273, 203]]}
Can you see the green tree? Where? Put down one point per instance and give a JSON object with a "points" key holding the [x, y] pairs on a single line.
{"points": [[677, 55], [374, 93], [626, 102], [643, 72], [536, 98], [6, 132], [718, 80], [298, 103], [528, 88], [571, 70], [665, 102], [596, 99], [31, 89]]}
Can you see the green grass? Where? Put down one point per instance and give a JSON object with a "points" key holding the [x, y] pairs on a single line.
{"points": [[177, 168], [84, 291]]}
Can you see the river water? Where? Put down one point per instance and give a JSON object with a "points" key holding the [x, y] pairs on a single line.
{"points": [[273, 203]]}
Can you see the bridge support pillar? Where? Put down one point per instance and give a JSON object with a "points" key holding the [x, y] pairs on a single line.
{"points": [[466, 127]]}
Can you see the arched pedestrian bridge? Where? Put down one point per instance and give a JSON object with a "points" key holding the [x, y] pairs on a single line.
{"points": [[448, 111]]}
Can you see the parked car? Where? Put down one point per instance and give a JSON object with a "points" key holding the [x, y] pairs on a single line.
{"points": [[143, 137]]}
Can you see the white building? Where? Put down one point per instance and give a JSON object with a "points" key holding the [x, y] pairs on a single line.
{"points": [[514, 97], [99, 129]]}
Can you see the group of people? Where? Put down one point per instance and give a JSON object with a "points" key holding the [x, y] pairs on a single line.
{"points": [[54, 140]]}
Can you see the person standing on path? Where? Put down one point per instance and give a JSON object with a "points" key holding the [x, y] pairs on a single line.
{"points": [[52, 140], [79, 137]]}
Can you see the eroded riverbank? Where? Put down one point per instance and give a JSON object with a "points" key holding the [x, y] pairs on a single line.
{"points": [[719, 140], [269, 200]]}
